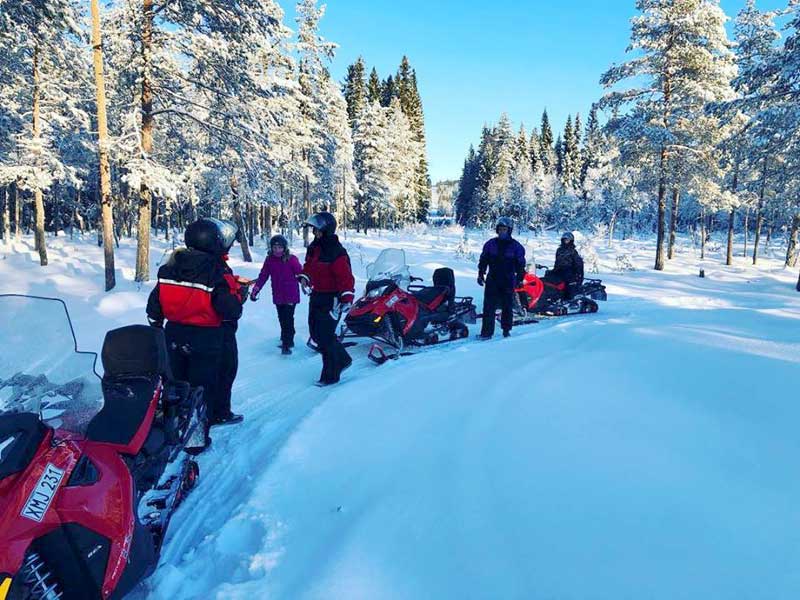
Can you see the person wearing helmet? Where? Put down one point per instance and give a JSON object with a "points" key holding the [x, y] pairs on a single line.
{"points": [[283, 268], [194, 298], [328, 276], [568, 266], [504, 257]]}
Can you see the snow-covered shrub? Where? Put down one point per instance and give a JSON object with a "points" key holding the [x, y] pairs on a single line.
{"points": [[462, 250], [624, 263], [585, 247]]}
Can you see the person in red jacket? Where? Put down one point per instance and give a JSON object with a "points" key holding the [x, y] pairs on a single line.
{"points": [[329, 277], [194, 298]]}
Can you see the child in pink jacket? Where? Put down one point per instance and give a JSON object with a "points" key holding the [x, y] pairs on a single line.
{"points": [[283, 267]]}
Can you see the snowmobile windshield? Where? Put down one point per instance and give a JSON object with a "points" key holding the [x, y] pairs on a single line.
{"points": [[41, 370], [390, 265]]}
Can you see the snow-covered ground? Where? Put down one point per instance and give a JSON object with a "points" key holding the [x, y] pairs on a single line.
{"points": [[649, 451]]}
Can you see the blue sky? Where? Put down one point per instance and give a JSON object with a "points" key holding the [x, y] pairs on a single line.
{"points": [[475, 60]]}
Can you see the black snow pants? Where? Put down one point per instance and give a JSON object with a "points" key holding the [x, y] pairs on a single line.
{"points": [[286, 319], [229, 366], [494, 297], [322, 327], [195, 357]]}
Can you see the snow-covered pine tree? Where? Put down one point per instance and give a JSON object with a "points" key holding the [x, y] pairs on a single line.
{"points": [[374, 91], [388, 91], [546, 151], [44, 65], [466, 212], [372, 166], [684, 61], [355, 89]]}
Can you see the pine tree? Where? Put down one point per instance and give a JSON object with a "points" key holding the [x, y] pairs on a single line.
{"points": [[466, 212], [685, 62], [355, 89], [388, 91], [591, 148], [374, 87], [546, 152]]}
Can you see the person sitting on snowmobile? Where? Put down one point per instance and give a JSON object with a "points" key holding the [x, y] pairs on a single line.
{"points": [[505, 259], [194, 297], [568, 267], [329, 277]]}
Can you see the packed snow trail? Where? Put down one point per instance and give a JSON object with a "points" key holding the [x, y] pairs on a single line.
{"points": [[647, 451]]}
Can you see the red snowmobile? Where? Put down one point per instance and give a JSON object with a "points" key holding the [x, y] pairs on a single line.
{"points": [[85, 494], [547, 297], [401, 315]]}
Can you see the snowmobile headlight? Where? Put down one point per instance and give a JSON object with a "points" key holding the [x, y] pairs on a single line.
{"points": [[5, 586]]}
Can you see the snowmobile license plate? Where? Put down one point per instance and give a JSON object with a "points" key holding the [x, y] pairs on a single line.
{"points": [[42, 495]]}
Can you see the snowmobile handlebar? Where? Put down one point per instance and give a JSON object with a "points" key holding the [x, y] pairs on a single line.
{"points": [[413, 279], [538, 266]]}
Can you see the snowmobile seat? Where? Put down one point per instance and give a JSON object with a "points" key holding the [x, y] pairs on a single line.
{"points": [[445, 277], [135, 362]]}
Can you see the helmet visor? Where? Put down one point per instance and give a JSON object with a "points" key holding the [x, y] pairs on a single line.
{"points": [[228, 231]]}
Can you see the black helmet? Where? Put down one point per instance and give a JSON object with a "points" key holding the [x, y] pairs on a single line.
{"points": [[568, 237], [211, 235], [504, 222], [278, 240], [322, 221]]}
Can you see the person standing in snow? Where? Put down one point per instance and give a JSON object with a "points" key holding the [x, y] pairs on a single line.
{"points": [[229, 364], [328, 276], [568, 267], [194, 297], [283, 268], [504, 257]]}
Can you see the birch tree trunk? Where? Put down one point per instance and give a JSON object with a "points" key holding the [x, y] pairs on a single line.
{"points": [[17, 212], [145, 195], [38, 196], [106, 207]]}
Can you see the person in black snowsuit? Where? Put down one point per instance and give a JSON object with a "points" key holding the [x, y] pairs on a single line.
{"points": [[504, 257], [568, 267], [194, 297], [329, 276], [229, 364]]}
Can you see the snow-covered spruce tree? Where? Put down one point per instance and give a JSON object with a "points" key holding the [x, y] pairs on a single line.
{"points": [[411, 104], [591, 147], [547, 154], [374, 87], [466, 211], [355, 90], [403, 159], [43, 64], [388, 91], [372, 166], [684, 62]]}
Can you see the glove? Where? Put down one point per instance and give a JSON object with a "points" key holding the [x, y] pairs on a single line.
{"points": [[254, 294], [481, 280], [305, 283]]}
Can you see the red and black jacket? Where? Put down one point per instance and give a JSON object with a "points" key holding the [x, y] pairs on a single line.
{"points": [[328, 268], [192, 290]]}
